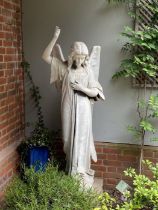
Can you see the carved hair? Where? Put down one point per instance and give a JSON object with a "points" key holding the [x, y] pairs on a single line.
{"points": [[78, 48]]}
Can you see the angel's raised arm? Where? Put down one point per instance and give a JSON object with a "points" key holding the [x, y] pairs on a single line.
{"points": [[53, 49]]}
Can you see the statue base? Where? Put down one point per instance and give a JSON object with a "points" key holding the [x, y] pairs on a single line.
{"points": [[98, 185]]}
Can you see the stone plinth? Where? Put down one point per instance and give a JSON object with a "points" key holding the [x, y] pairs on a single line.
{"points": [[98, 185]]}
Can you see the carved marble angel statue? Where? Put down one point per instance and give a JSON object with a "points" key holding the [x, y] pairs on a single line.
{"points": [[78, 79]]}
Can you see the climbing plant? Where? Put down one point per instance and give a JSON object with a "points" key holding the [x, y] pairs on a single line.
{"points": [[40, 135], [143, 64], [34, 93]]}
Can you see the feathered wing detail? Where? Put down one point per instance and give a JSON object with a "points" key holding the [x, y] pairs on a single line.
{"points": [[58, 68], [94, 65], [57, 52], [94, 61]]}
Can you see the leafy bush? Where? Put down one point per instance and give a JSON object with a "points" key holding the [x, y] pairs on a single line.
{"points": [[143, 197], [49, 190]]}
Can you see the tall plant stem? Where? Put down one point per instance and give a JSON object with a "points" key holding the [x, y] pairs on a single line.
{"points": [[141, 152], [143, 133], [138, 106]]}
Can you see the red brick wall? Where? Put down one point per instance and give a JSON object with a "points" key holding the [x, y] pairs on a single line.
{"points": [[113, 159], [11, 88]]}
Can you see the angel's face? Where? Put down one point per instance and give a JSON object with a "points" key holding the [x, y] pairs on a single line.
{"points": [[77, 61]]}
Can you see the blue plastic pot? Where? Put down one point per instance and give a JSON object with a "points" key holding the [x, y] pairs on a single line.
{"points": [[38, 157]]}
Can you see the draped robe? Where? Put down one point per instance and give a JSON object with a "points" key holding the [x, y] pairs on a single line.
{"points": [[76, 114]]}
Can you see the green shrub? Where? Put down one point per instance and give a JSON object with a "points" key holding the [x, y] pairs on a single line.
{"points": [[49, 190], [143, 197]]}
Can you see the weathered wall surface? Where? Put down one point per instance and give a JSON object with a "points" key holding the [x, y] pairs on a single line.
{"points": [[11, 88]]}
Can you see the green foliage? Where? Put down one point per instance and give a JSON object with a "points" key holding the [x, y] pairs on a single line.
{"points": [[144, 194], [34, 93], [142, 61], [145, 124], [153, 105], [136, 131], [49, 190], [40, 136], [106, 202], [144, 47], [152, 167]]}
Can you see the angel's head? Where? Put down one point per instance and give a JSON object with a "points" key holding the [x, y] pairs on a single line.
{"points": [[79, 55]]}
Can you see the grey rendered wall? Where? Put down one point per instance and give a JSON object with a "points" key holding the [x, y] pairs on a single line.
{"points": [[96, 23]]}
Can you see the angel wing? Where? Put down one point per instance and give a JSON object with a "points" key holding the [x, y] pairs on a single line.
{"points": [[57, 52], [94, 61], [58, 67]]}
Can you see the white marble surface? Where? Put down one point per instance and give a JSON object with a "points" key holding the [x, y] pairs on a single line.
{"points": [[98, 185], [78, 81]]}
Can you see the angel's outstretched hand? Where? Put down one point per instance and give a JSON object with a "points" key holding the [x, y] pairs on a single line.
{"points": [[57, 32]]}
